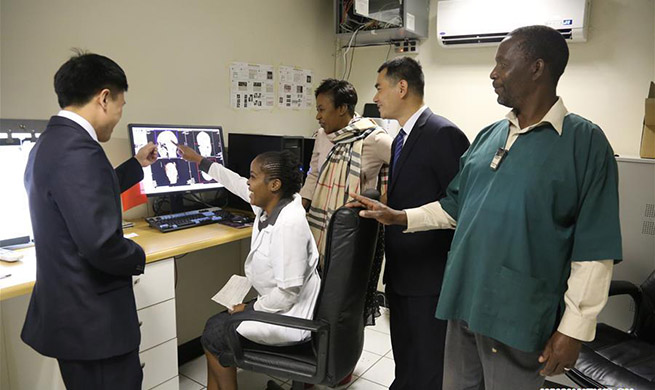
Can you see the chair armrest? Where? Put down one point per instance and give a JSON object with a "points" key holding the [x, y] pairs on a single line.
{"points": [[320, 329], [276, 319], [622, 287]]}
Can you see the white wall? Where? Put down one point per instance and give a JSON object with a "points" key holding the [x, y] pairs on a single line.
{"points": [[176, 55], [606, 80]]}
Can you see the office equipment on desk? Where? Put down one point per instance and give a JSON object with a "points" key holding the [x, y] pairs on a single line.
{"points": [[127, 224], [5, 276], [9, 255], [171, 175], [187, 219], [17, 137], [245, 147]]}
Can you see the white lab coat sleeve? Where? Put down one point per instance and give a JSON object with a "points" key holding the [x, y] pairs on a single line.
{"points": [[278, 300], [290, 251]]}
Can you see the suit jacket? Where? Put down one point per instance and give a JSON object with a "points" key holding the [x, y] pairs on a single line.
{"points": [[429, 160], [82, 305]]}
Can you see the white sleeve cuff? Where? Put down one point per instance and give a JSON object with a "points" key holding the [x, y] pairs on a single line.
{"points": [[428, 217], [578, 327]]}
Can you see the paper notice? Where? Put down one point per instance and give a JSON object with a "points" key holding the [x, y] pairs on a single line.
{"points": [[252, 86], [233, 292], [295, 88]]}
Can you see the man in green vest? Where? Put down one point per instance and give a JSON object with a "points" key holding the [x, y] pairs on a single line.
{"points": [[535, 207]]}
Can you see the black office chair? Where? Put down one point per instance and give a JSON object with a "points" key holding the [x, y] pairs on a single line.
{"points": [[622, 359], [338, 325]]}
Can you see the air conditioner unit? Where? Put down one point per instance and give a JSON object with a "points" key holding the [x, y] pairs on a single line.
{"points": [[466, 23]]}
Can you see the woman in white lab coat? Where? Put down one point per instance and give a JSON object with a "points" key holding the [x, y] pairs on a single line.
{"points": [[281, 264]]}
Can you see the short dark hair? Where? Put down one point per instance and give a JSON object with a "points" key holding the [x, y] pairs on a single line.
{"points": [[86, 74], [546, 43], [408, 69], [283, 166], [340, 91]]}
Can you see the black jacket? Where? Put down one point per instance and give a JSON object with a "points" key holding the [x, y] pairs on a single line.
{"points": [[429, 160], [82, 305]]}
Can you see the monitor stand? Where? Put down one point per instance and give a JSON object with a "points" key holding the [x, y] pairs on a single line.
{"points": [[177, 203]]}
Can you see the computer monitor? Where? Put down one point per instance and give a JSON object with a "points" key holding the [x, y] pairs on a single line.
{"points": [[170, 174], [16, 228]]}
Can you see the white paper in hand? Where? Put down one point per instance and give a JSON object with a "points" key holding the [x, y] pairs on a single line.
{"points": [[233, 292]]}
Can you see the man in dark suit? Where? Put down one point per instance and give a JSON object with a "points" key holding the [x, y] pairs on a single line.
{"points": [[82, 311], [425, 158]]}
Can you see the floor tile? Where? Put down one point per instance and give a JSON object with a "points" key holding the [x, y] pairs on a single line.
{"points": [[382, 372], [366, 361], [390, 355], [253, 380], [196, 370], [382, 322], [189, 384], [376, 342], [363, 384]]}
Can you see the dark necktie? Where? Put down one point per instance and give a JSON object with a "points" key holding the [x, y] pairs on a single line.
{"points": [[398, 147]]}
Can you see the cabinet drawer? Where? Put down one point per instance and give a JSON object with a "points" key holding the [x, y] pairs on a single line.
{"points": [[159, 364], [157, 324], [156, 284]]}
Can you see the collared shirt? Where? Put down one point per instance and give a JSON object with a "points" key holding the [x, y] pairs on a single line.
{"points": [[409, 125], [80, 121], [588, 282], [554, 116]]}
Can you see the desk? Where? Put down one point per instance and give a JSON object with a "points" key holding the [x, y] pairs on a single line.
{"points": [[23, 368]]}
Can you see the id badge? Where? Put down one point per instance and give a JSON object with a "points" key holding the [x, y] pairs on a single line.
{"points": [[498, 158]]}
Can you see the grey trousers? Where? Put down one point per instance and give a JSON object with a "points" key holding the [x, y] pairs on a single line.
{"points": [[476, 362]]}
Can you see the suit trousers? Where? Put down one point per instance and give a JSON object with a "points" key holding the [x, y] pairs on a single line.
{"points": [[477, 362], [118, 372], [417, 339]]}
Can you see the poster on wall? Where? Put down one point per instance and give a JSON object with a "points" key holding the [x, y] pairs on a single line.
{"points": [[295, 88], [252, 86]]}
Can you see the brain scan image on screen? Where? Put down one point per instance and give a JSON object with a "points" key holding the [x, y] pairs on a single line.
{"points": [[166, 141], [171, 172], [204, 142]]}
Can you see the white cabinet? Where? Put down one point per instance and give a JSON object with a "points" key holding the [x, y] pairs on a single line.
{"points": [[154, 292], [23, 368], [156, 284], [159, 364], [157, 324]]}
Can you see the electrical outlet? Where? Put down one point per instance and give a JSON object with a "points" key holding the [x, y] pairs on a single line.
{"points": [[407, 46]]}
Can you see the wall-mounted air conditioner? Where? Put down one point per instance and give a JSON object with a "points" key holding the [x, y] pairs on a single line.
{"points": [[466, 23]]}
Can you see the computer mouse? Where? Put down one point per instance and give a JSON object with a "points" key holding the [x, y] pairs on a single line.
{"points": [[241, 219]]}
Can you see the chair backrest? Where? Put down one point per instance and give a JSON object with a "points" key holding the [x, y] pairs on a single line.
{"points": [[646, 322], [350, 248]]}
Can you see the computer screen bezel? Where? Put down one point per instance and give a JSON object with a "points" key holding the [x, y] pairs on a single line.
{"points": [[178, 127], [12, 131]]}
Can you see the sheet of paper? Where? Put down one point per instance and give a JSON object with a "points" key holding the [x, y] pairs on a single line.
{"points": [[130, 235], [233, 292], [252, 86], [295, 88]]}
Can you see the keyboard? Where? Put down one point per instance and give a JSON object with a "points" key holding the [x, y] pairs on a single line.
{"points": [[172, 222]]}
